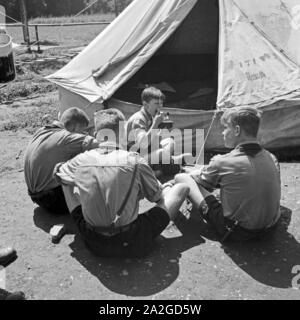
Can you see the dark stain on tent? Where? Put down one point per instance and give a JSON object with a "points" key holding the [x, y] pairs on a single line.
{"points": [[185, 68]]}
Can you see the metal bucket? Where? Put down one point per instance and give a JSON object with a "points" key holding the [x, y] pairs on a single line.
{"points": [[7, 66]]}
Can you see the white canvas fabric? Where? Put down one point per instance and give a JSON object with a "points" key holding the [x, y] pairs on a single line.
{"points": [[259, 52], [259, 55], [259, 60], [122, 48]]}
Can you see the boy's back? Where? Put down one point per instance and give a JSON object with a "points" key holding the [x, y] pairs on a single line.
{"points": [[50, 145], [250, 188]]}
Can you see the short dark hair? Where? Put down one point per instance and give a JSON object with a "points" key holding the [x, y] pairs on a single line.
{"points": [[74, 116], [108, 119], [247, 118], [152, 93]]}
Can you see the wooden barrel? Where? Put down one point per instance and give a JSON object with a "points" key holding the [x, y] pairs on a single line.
{"points": [[7, 66]]}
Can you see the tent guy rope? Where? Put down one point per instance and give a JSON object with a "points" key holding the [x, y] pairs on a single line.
{"points": [[207, 134]]}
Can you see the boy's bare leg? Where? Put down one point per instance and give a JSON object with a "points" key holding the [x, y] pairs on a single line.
{"points": [[197, 193], [173, 198]]}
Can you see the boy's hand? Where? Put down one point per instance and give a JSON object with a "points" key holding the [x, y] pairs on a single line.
{"points": [[158, 120]]}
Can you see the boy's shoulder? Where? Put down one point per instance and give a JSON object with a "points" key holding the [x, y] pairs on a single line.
{"points": [[221, 158], [136, 116]]}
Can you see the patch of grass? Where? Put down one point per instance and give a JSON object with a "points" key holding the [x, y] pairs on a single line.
{"points": [[25, 88], [48, 43], [40, 112], [31, 68], [24, 56], [39, 106], [18, 89], [100, 17], [68, 36]]}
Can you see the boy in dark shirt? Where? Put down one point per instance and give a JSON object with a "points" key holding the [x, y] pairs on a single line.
{"points": [[249, 179], [50, 145]]}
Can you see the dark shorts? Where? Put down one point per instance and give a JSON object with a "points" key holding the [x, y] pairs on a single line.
{"points": [[52, 200], [168, 170], [137, 241], [227, 229]]}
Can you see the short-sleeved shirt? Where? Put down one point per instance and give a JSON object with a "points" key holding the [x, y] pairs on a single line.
{"points": [[250, 186], [50, 145], [103, 180], [137, 126]]}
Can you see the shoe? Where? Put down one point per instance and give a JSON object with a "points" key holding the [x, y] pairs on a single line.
{"points": [[57, 232], [7, 255], [6, 295]]}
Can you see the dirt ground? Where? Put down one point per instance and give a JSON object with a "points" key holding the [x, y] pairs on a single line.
{"points": [[187, 262]]}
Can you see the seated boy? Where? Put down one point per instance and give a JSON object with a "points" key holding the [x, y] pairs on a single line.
{"points": [[143, 133], [110, 182], [249, 178], [50, 145]]}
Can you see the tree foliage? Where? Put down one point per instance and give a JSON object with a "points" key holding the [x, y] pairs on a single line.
{"points": [[56, 8]]}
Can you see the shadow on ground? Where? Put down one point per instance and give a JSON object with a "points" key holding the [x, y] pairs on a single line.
{"points": [[45, 220], [142, 277], [271, 260]]}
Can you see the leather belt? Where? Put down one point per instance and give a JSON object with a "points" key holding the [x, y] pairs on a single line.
{"points": [[110, 231]]}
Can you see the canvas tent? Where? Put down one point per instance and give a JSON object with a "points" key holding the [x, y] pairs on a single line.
{"points": [[206, 54]]}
